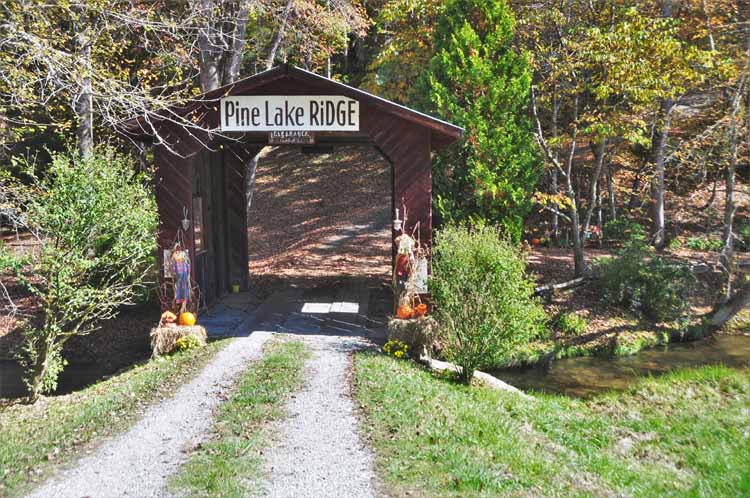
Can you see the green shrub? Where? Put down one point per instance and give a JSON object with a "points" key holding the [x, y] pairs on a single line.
{"points": [[674, 244], [96, 220], [396, 348], [188, 342], [743, 237], [623, 229], [483, 297], [652, 286], [704, 244], [569, 323]]}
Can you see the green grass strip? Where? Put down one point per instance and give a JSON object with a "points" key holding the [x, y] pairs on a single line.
{"points": [[36, 438], [684, 434], [230, 463], [681, 435], [434, 437]]}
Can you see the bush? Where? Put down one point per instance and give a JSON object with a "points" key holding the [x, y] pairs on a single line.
{"points": [[188, 342], [743, 237], [96, 221], [652, 286], [569, 323], [623, 229], [483, 297], [704, 244], [396, 348]]}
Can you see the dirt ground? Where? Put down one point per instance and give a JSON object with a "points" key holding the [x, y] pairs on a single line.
{"points": [[691, 211], [322, 215], [322, 220]]}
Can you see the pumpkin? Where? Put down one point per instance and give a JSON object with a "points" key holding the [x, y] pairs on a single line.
{"points": [[168, 317], [536, 242], [404, 312], [187, 319], [420, 309]]}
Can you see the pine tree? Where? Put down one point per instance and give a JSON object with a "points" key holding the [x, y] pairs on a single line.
{"points": [[477, 80]]}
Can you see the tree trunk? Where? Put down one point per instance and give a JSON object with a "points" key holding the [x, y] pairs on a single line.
{"points": [[252, 168], [659, 153], [709, 28], [611, 194], [579, 257], [712, 197], [600, 152], [328, 58], [83, 101], [727, 251], [38, 372], [142, 161], [725, 311], [666, 8], [210, 50], [233, 59], [279, 35], [636, 186], [555, 187], [599, 220], [659, 145]]}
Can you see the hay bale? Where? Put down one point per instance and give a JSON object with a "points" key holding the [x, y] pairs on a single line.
{"points": [[164, 339], [420, 334]]}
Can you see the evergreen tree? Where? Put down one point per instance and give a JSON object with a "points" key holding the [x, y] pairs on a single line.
{"points": [[477, 80]]}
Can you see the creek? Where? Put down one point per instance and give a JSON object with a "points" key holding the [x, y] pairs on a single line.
{"points": [[587, 376]]}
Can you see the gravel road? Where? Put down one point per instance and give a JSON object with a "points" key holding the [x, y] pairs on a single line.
{"points": [[318, 452], [138, 463]]}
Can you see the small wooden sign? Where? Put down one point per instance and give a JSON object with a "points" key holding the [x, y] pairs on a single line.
{"points": [[291, 137]]}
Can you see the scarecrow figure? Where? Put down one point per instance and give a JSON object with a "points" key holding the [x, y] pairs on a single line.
{"points": [[181, 272]]}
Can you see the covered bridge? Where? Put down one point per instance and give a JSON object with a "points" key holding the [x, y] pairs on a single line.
{"points": [[202, 149]]}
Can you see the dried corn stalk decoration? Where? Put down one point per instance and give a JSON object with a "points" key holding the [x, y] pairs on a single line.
{"points": [[410, 268]]}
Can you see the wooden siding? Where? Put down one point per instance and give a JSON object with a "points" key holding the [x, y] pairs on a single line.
{"points": [[173, 184], [406, 138]]}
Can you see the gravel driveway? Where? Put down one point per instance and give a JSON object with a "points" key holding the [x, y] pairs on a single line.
{"points": [[138, 463], [318, 452]]}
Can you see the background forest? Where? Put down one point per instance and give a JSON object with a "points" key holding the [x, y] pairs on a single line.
{"points": [[632, 102]]}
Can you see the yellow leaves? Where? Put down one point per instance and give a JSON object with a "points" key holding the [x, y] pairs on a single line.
{"points": [[559, 200]]}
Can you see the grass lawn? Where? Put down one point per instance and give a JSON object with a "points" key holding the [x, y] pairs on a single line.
{"points": [[686, 434], [35, 438], [227, 465]]}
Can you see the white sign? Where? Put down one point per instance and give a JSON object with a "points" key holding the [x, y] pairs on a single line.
{"points": [[291, 112]]}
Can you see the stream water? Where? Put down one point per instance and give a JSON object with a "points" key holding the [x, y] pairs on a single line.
{"points": [[74, 377], [588, 376]]}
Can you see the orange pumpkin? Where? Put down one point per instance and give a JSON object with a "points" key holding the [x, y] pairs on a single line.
{"points": [[420, 309], [536, 242], [404, 312], [187, 319]]}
